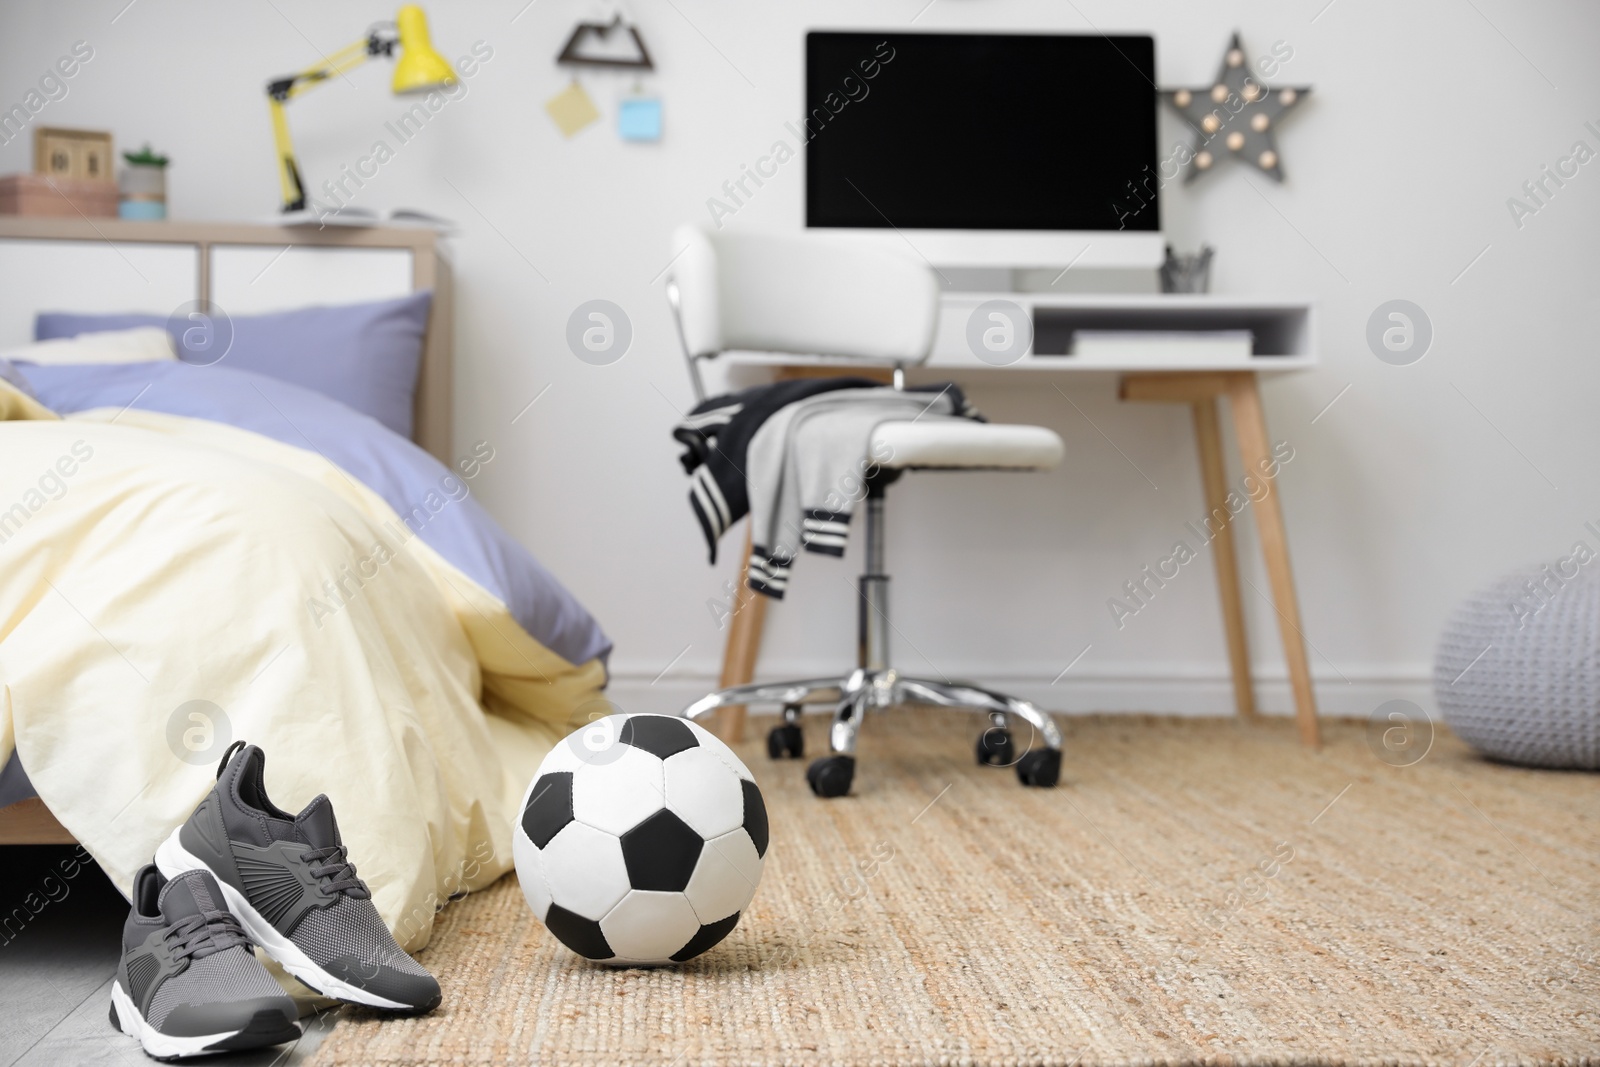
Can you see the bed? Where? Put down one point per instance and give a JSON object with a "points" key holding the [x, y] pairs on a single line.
{"points": [[202, 573]]}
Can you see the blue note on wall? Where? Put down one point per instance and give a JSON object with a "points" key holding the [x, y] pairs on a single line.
{"points": [[639, 119]]}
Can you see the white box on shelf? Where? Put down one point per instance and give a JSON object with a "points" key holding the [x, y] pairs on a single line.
{"points": [[1164, 347]]}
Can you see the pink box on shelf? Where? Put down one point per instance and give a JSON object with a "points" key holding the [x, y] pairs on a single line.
{"points": [[37, 194]]}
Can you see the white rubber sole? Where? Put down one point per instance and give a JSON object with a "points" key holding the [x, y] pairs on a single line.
{"points": [[162, 1046], [173, 859]]}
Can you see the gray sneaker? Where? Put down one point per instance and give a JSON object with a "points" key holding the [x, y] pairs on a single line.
{"points": [[188, 983], [291, 883]]}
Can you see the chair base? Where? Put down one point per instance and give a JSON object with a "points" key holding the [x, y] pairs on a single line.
{"points": [[863, 690]]}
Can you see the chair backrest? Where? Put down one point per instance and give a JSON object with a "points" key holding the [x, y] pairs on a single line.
{"points": [[802, 293]]}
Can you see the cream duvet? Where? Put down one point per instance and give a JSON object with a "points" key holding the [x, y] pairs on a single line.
{"points": [[170, 584]]}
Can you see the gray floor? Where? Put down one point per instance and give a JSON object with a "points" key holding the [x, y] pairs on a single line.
{"points": [[57, 960]]}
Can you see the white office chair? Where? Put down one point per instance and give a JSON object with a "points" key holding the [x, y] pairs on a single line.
{"points": [[853, 303]]}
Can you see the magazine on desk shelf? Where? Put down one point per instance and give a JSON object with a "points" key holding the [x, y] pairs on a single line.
{"points": [[1163, 346]]}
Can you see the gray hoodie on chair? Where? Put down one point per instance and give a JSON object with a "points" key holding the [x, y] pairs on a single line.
{"points": [[809, 463]]}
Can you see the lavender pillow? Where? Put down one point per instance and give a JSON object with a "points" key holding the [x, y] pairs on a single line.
{"points": [[364, 355]]}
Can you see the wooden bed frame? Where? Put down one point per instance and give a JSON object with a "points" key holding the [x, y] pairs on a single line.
{"points": [[30, 822]]}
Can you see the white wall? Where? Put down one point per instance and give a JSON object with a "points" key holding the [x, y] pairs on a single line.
{"points": [[1420, 483]]}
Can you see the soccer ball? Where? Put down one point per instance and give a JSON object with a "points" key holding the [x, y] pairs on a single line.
{"points": [[640, 840]]}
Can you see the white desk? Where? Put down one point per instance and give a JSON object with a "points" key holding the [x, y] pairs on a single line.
{"points": [[1284, 342]]}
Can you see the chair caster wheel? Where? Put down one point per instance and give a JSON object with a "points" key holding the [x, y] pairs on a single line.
{"points": [[830, 776], [1041, 768], [786, 742], [995, 748]]}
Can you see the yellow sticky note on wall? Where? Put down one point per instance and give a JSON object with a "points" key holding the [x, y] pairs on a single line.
{"points": [[571, 109]]}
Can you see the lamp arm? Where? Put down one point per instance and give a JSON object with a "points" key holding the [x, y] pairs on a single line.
{"points": [[294, 191], [281, 90]]}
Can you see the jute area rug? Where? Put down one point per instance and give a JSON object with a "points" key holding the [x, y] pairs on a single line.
{"points": [[1197, 891]]}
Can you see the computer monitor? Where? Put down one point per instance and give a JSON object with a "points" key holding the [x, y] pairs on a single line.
{"points": [[986, 150]]}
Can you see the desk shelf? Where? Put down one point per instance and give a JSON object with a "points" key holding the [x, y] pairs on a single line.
{"points": [[1284, 329]]}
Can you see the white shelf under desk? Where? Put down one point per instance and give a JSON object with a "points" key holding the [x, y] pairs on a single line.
{"points": [[1284, 331]]}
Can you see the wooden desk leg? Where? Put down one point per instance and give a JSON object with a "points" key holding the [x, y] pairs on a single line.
{"points": [[1208, 437], [744, 645], [1250, 426]]}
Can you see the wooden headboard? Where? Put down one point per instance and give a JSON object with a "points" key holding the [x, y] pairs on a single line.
{"points": [[111, 265]]}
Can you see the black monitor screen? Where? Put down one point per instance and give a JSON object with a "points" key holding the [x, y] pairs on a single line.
{"points": [[980, 131]]}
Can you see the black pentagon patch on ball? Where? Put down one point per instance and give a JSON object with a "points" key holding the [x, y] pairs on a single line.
{"points": [[659, 735], [581, 935], [549, 808], [755, 817], [661, 853], [708, 935]]}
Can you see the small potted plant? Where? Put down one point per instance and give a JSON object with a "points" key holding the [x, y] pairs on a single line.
{"points": [[143, 186]]}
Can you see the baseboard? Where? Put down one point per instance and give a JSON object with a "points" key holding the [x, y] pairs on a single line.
{"points": [[1168, 689]]}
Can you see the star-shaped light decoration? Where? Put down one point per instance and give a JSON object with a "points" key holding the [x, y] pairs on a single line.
{"points": [[1235, 116]]}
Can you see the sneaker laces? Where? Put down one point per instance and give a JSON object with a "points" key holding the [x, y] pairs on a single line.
{"points": [[334, 863], [204, 935]]}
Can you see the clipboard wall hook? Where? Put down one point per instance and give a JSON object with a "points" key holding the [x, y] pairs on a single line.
{"points": [[570, 51]]}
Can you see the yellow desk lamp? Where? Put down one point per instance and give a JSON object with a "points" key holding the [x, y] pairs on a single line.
{"points": [[418, 69]]}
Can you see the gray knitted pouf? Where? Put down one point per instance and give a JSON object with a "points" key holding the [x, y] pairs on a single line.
{"points": [[1517, 675]]}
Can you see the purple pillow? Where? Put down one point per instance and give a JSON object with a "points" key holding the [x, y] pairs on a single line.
{"points": [[365, 355]]}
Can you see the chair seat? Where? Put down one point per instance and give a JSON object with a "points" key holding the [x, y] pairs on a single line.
{"points": [[958, 443]]}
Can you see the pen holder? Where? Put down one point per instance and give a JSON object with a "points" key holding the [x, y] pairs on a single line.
{"points": [[1187, 274]]}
